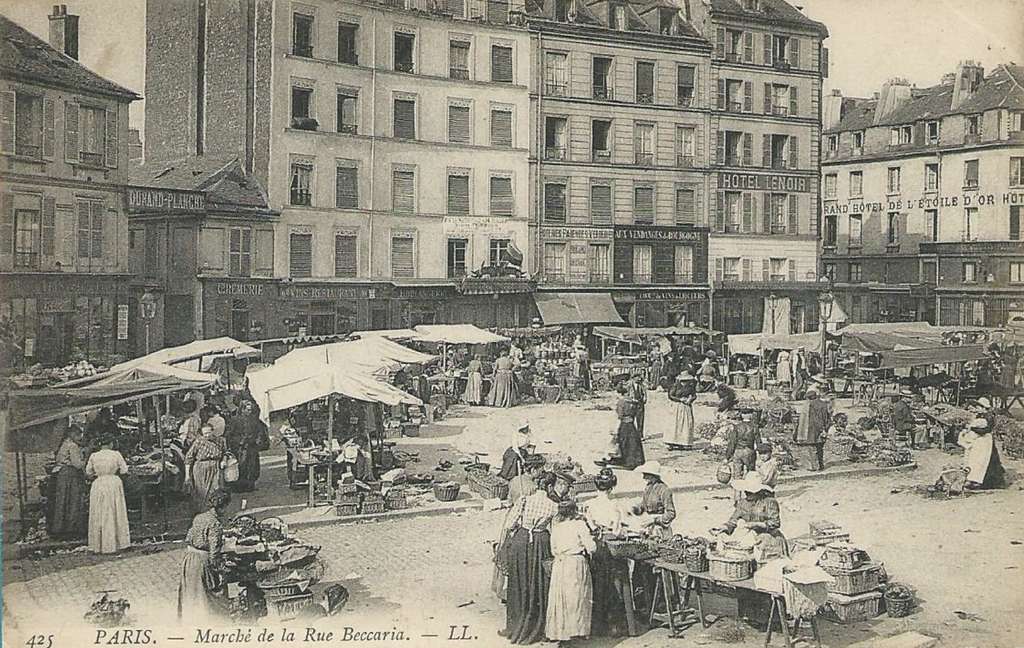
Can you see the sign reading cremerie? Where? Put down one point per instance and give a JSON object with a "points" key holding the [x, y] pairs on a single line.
{"points": [[763, 182], [166, 199]]}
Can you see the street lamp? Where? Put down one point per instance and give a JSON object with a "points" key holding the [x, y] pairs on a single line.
{"points": [[825, 302], [772, 302], [147, 306]]}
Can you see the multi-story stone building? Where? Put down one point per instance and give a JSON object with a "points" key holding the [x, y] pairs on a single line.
{"points": [[63, 227], [765, 88], [923, 194], [392, 137], [620, 148]]}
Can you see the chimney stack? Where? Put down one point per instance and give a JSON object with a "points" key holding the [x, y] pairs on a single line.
{"points": [[831, 108], [64, 31], [895, 92], [969, 75]]}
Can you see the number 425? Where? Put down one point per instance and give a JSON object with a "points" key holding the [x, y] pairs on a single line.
{"points": [[40, 641]]}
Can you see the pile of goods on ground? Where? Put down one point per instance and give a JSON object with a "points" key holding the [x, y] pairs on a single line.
{"points": [[108, 613], [1011, 434], [38, 375]]}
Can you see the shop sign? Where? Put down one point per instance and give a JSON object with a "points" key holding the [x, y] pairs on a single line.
{"points": [[324, 292], [241, 289], [57, 305], [122, 321], [478, 223], [658, 234], [61, 286], [580, 233], [764, 182], [427, 292], [578, 258], [670, 295], [172, 200]]}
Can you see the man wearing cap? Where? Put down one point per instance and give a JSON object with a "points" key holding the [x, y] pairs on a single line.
{"points": [[743, 438], [809, 439], [903, 419], [658, 505], [981, 458]]}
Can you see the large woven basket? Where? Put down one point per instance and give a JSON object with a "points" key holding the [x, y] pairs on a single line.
{"points": [[446, 491], [695, 559], [853, 581], [898, 606], [626, 548], [729, 568]]}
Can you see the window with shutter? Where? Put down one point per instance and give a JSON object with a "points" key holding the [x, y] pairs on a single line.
{"points": [[348, 39], [501, 128], [971, 174], [26, 238], [643, 205], [556, 74], [748, 47], [458, 60], [405, 47], [720, 43], [794, 222], [347, 119], [685, 84], [792, 270], [300, 255], [598, 258], [70, 131], [1015, 223], [765, 270], [793, 104], [684, 264], [720, 211], [748, 212], [240, 252], [92, 134], [28, 125], [264, 251], [498, 250], [685, 207], [301, 189], [110, 142], [645, 82], [554, 202], [501, 64], [748, 149], [345, 258], [748, 96], [767, 50], [794, 151], [458, 124], [457, 257], [458, 195], [302, 35], [643, 144], [643, 257], [794, 52], [8, 102], [686, 137], [403, 191], [747, 274], [554, 261], [502, 201], [49, 225], [403, 252], [405, 119], [601, 204], [346, 190]]}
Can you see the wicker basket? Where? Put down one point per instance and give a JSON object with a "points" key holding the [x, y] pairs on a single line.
{"points": [[446, 491], [898, 606], [345, 510], [853, 581], [626, 548], [376, 506], [843, 556], [479, 466], [728, 568], [695, 560], [281, 590], [395, 500], [352, 498], [288, 607], [850, 609], [583, 484]]}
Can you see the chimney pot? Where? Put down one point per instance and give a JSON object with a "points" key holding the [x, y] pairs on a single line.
{"points": [[64, 31]]}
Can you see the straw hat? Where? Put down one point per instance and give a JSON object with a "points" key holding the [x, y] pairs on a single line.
{"points": [[649, 468], [978, 424], [751, 483], [686, 375], [985, 402]]}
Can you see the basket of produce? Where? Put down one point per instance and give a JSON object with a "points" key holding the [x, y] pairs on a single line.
{"points": [[583, 484], [289, 607], [626, 547], [695, 555], [724, 474], [478, 466], [244, 526], [730, 567], [488, 486], [370, 507], [297, 555], [850, 609], [273, 528], [395, 499], [289, 585], [853, 581], [842, 555], [899, 600], [347, 509], [446, 491]]}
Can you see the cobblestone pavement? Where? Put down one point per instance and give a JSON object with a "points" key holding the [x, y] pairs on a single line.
{"points": [[426, 574]]}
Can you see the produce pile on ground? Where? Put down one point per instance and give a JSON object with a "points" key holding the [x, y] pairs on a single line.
{"points": [[1011, 434]]}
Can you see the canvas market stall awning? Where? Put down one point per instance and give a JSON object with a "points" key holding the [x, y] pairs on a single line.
{"points": [[636, 335], [754, 343], [456, 334], [372, 355], [900, 358], [281, 386], [577, 308], [219, 347], [391, 334]]}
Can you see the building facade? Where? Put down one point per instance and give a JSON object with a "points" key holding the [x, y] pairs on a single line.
{"points": [[923, 194], [765, 88], [392, 137], [63, 224]]}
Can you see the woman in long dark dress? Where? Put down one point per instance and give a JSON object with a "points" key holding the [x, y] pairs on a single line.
{"points": [[529, 547], [631, 446], [67, 516], [603, 515], [513, 461], [245, 434]]}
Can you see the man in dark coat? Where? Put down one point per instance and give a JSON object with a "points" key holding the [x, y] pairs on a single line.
{"points": [[903, 420], [815, 416], [743, 438], [246, 435], [638, 394], [727, 397]]}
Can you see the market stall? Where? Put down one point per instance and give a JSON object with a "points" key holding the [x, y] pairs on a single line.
{"points": [[618, 363], [758, 351]]}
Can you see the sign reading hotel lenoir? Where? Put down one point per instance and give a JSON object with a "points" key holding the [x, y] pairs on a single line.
{"points": [[173, 200], [764, 182]]}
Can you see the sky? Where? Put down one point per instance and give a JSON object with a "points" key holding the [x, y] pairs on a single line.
{"points": [[870, 40]]}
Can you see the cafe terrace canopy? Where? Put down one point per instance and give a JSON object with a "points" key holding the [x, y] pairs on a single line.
{"points": [[456, 334], [281, 386], [637, 335], [577, 308], [371, 355], [215, 347]]}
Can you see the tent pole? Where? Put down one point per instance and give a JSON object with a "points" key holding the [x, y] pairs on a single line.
{"points": [[163, 467], [22, 494], [330, 444], [142, 503]]}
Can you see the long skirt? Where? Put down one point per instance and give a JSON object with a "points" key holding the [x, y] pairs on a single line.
{"points": [[474, 393], [682, 433], [67, 516], [638, 419], [108, 516], [248, 468], [609, 616], [526, 609], [631, 446], [570, 599], [195, 587], [810, 456], [206, 478], [503, 391]]}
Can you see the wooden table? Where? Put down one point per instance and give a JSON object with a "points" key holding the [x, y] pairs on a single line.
{"points": [[697, 582]]}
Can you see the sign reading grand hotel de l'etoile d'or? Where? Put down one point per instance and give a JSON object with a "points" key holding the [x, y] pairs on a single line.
{"points": [[929, 201]]}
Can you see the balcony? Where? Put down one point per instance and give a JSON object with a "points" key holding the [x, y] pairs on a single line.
{"points": [[601, 156], [603, 92], [92, 159], [781, 111], [645, 159], [732, 57], [644, 98], [684, 96], [555, 153], [33, 151], [779, 228], [684, 161], [304, 123], [404, 66], [301, 197], [972, 138], [305, 51], [462, 74], [734, 106], [349, 129], [556, 89], [782, 64]]}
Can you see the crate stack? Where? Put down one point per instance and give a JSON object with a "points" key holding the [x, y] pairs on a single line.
{"points": [[346, 500], [854, 592]]}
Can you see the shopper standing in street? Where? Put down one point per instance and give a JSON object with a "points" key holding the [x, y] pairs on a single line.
{"points": [[683, 393], [246, 436], [108, 513], [66, 512], [815, 417], [202, 467], [571, 596], [638, 394], [199, 581], [503, 385], [513, 461], [743, 438]]}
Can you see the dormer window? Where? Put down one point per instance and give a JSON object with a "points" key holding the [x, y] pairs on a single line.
{"points": [[1016, 124], [833, 144], [858, 142], [667, 20], [900, 135], [973, 125], [563, 10], [932, 132], [780, 47], [618, 16], [752, 5]]}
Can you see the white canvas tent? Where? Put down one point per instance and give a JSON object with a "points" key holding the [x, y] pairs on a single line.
{"points": [[391, 334], [456, 334], [216, 347], [372, 355]]}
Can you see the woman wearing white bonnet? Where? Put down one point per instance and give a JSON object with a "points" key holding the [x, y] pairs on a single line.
{"points": [[981, 457]]}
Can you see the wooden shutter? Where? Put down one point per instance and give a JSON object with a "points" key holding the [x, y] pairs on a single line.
{"points": [[792, 270], [84, 230], [110, 139], [748, 149], [501, 64], [458, 195], [719, 269], [264, 251], [458, 124], [766, 269], [794, 151], [720, 212], [1015, 218], [345, 255], [6, 228], [766, 150], [554, 203], [794, 52], [49, 136], [405, 119], [300, 255], [7, 121], [768, 58], [644, 79], [748, 212], [48, 227], [766, 217], [720, 42], [643, 205], [403, 257], [792, 102], [747, 276], [794, 223], [767, 98], [502, 201], [346, 189], [721, 94], [71, 131], [403, 192], [720, 148], [748, 96], [601, 205], [685, 207], [748, 47], [99, 235], [754, 222], [501, 128]]}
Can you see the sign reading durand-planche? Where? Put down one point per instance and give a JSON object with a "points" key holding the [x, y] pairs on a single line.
{"points": [[172, 200]]}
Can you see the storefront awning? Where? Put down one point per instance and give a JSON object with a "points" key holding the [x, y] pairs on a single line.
{"points": [[577, 308]]}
